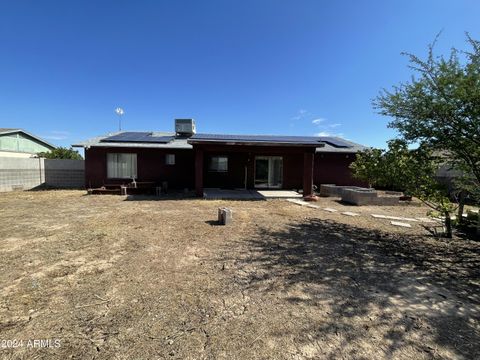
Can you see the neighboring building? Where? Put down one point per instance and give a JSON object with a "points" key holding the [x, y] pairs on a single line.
{"points": [[188, 160], [19, 143]]}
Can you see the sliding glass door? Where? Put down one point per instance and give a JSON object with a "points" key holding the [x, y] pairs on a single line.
{"points": [[268, 172]]}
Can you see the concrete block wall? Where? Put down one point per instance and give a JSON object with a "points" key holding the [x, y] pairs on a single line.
{"points": [[367, 197], [30, 173], [358, 197], [64, 173], [338, 191], [21, 173], [387, 200]]}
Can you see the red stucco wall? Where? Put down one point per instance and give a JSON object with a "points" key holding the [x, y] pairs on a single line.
{"points": [[150, 167], [333, 168], [329, 168], [240, 157]]}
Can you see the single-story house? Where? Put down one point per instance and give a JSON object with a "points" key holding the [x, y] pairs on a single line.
{"points": [[186, 159], [19, 143]]}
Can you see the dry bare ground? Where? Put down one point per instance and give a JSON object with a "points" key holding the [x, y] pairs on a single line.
{"points": [[118, 278]]}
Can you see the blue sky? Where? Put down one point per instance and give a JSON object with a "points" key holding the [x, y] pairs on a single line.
{"points": [[260, 67]]}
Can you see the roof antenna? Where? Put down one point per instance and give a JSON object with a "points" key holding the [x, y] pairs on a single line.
{"points": [[119, 111]]}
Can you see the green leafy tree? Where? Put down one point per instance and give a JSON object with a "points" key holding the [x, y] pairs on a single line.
{"points": [[421, 181], [367, 166], [385, 168], [396, 172], [61, 153], [411, 171], [440, 108]]}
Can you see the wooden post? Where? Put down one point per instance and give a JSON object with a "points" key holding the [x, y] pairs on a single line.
{"points": [[307, 174], [199, 172]]}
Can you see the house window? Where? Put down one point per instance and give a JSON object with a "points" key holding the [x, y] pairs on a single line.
{"points": [[121, 166], [218, 164], [170, 159]]}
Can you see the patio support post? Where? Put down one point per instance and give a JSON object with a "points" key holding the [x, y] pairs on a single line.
{"points": [[307, 174], [199, 172]]}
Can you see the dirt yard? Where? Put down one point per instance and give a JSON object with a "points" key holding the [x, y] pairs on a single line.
{"points": [[105, 277]]}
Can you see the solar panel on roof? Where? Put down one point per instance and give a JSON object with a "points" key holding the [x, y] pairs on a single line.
{"points": [[149, 137], [262, 138], [142, 137], [310, 140], [127, 136], [158, 139], [335, 141]]}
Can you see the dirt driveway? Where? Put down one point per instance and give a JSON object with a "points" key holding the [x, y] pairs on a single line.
{"points": [[104, 277]]}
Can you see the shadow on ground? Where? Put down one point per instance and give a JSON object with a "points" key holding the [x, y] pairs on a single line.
{"points": [[362, 290], [163, 197]]}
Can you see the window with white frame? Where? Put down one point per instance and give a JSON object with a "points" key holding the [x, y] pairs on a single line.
{"points": [[218, 164], [170, 159], [121, 166]]}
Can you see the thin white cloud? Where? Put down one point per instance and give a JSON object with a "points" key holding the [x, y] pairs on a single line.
{"points": [[301, 114], [56, 135], [327, 133], [318, 121], [324, 128]]}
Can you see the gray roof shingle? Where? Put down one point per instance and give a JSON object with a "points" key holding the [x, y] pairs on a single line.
{"points": [[4, 130]]}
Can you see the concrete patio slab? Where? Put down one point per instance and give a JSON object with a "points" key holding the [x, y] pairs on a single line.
{"points": [[245, 194], [402, 224], [428, 220], [393, 217], [349, 213], [222, 194], [280, 194]]}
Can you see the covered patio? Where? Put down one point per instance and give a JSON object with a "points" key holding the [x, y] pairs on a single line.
{"points": [[225, 163], [246, 194]]}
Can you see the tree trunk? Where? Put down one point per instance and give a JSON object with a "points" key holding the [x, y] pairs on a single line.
{"points": [[448, 225], [461, 205]]}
